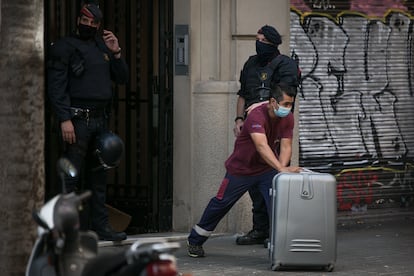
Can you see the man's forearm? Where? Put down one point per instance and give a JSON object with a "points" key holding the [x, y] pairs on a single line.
{"points": [[269, 157], [240, 107], [285, 151], [284, 159]]}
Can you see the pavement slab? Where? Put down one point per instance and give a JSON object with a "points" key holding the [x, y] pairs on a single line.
{"points": [[382, 248], [382, 245]]}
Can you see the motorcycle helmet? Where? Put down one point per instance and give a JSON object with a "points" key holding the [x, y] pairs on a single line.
{"points": [[109, 150]]}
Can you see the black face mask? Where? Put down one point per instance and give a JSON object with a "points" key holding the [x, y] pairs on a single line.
{"points": [[265, 51], [87, 32]]}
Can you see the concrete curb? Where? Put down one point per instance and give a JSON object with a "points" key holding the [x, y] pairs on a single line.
{"points": [[153, 237], [347, 220]]}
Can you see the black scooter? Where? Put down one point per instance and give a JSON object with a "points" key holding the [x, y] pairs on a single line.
{"points": [[61, 249]]}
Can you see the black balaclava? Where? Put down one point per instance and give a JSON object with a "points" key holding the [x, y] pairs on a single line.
{"points": [[91, 11], [266, 51]]}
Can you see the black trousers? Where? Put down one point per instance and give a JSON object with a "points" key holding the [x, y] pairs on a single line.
{"points": [[81, 154], [260, 216]]}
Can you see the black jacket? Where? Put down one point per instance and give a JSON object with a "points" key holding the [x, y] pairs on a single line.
{"points": [[254, 76], [82, 71]]}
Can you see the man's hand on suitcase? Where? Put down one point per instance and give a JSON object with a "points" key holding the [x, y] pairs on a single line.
{"points": [[291, 169]]}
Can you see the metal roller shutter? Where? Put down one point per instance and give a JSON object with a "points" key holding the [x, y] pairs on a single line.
{"points": [[356, 100]]}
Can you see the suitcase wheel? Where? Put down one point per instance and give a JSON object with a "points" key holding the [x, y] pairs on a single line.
{"points": [[329, 268], [276, 267]]}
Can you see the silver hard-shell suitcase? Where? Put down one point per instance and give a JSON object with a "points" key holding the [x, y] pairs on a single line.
{"points": [[303, 221]]}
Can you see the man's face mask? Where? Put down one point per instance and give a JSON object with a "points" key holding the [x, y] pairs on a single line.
{"points": [[282, 111], [87, 32], [265, 51]]}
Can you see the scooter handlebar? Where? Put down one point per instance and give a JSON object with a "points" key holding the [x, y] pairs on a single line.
{"points": [[149, 247], [85, 195]]}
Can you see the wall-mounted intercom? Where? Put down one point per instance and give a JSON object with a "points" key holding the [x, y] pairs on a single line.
{"points": [[181, 50]]}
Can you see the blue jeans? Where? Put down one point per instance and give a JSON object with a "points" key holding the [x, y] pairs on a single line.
{"points": [[231, 190]]}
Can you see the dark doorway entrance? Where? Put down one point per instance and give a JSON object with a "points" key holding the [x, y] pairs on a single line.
{"points": [[142, 110]]}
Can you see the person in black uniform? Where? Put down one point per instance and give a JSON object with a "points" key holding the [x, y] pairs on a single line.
{"points": [[256, 78], [81, 70]]}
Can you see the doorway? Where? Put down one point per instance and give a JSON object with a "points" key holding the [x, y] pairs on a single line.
{"points": [[141, 112]]}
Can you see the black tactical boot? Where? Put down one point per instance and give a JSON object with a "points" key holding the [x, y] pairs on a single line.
{"points": [[108, 234], [253, 237]]}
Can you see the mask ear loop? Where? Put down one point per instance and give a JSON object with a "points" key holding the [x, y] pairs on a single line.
{"points": [[278, 105], [275, 109]]}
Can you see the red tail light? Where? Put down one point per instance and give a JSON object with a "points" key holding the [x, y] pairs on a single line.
{"points": [[162, 268]]}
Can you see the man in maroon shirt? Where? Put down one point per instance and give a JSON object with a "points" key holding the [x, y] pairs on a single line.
{"points": [[254, 161]]}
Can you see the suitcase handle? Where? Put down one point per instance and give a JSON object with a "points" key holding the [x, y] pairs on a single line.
{"points": [[305, 170], [307, 188]]}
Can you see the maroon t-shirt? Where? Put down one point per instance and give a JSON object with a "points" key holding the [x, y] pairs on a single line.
{"points": [[245, 160]]}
